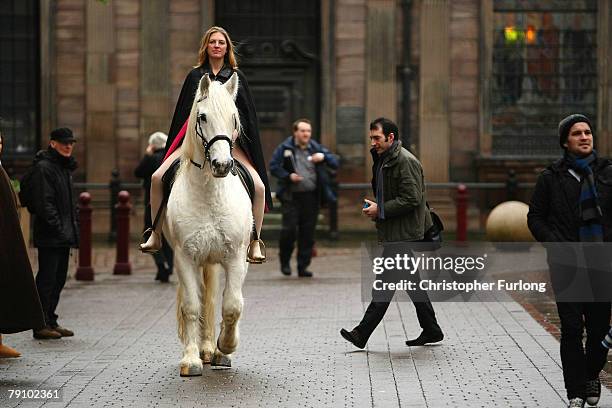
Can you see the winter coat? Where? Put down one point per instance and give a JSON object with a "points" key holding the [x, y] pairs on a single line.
{"points": [[554, 213], [55, 216], [280, 167], [19, 303], [404, 199], [147, 166], [249, 141], [554, 216]]}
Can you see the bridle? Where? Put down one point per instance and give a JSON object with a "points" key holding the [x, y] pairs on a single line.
{"points": [[207, 144]]}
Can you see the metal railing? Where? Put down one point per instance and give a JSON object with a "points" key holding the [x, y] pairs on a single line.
{"points": [[511, 187]]}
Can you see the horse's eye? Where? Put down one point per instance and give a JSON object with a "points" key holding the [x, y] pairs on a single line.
{"points": [[202, 117]]}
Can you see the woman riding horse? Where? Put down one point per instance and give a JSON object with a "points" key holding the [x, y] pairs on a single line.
{"points": [[217, 59]]}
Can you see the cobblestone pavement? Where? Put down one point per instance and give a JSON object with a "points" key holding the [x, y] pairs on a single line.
{"points": [[126, 351]]}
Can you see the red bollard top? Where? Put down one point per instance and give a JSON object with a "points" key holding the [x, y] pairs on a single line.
{"points": [[124, 197], [462, 191], [84, 198], [124, 200]]}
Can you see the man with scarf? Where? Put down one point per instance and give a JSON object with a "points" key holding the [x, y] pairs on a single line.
{"points": [[401, 216], [566, 206]]}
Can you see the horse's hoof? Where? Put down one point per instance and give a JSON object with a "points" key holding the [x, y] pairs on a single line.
{"points": [[220, 361], [206, 357], [191, 371]]}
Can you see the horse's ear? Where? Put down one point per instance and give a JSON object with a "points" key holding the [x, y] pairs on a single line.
{"points": [[232, 85], [204, 84]]}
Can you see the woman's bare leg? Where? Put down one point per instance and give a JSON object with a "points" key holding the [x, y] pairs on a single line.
{"points": [[259, 201], [154, 242]]}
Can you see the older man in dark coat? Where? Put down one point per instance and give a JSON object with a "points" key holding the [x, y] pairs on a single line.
{"points": [[19, 304], [55, 224], [153, 158]]}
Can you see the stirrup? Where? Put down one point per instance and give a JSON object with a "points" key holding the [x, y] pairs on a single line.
{"points": [[260, 259], [154, 246]]}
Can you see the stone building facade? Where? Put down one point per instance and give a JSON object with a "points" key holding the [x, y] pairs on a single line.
{"points": [[112, 70]]}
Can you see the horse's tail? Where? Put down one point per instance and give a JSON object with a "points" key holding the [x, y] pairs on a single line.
{"points": [[179, 314], [210, 287]]}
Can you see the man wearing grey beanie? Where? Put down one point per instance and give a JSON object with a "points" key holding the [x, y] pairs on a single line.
{"points": [[570, 204]]}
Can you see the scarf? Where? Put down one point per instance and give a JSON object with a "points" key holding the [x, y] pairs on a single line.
{"points": [[591, 229], [380, 196]]}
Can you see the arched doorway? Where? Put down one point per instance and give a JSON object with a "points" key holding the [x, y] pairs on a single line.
{"points": [[278, 43]]}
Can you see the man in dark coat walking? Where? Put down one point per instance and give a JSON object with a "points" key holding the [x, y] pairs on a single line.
{"points": [[571, 203], [20, 308], [153, 158], [55, 224]]}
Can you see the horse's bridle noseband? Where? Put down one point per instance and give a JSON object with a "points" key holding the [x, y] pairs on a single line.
{"points": [[207, 144]]}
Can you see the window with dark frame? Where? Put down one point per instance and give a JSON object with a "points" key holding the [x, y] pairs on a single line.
{"points": [[19, 77], [544, 68]]}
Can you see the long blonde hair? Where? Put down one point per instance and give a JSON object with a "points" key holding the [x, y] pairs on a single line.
{"points": [[230, 56]]}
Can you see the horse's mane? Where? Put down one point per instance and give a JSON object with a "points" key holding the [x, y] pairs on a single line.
{"points": [[219, 102]]}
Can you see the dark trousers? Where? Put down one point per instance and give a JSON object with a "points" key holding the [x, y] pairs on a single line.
{"points": [[381, 300], [299, 221], [50, 280], [580, 364], [164, 259]]}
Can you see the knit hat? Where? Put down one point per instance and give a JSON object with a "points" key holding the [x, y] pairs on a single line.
{"points": [[566, 124], [62, 135], [158, 140]]}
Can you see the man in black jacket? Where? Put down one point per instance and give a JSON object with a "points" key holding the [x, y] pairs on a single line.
{"points": [[153, 158], [55, 224], [571, 203]]}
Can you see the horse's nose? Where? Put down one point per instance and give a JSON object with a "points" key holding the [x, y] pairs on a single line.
{"points": [[220, 168]]}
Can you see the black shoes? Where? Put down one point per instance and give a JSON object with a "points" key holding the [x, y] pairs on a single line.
{"points": [[593, 391], [358, 341], [305, 274], [286, 270], [46, 333], [353, 337], [425, 338], [63, 331]]}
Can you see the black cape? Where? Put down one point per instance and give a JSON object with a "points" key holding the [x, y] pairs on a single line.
{"points": [[19, 303], [249, 141]]}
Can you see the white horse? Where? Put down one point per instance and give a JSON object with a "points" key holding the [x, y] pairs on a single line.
{"points": [[208, 223]]}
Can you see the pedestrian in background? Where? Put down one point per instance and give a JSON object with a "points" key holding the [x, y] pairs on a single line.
{"points": [[570, 203], [56, 229], [303, 186], [401, 215], [153, 158], [20, 308]]}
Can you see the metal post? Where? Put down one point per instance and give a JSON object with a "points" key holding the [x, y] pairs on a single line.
{"points": [[462, 202], [85, 271], [122, 265]]}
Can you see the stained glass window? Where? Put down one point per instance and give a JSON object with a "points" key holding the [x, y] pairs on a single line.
{"points": [[544, 68]]}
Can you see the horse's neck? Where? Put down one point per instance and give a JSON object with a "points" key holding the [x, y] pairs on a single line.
{"points": [[202, 181]]}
